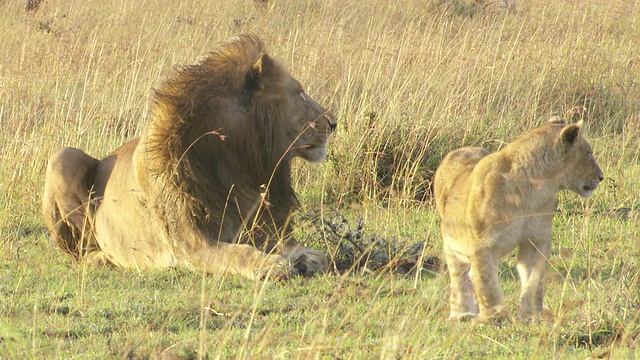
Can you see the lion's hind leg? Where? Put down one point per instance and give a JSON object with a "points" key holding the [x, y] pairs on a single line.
{"points": [[462, 299], [66, 203]]}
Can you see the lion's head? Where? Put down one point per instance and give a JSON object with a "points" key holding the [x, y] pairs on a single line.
{"points": [[224, 132], [285, 116]]}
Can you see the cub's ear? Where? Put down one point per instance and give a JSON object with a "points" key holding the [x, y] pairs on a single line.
{"points": [[570, 133], [257, 73]]}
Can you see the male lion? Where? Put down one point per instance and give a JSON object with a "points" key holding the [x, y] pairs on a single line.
{"points": [[208, 185], [491, 203]]}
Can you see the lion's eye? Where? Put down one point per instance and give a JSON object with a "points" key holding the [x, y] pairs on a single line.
{"points": [[304, 96]]}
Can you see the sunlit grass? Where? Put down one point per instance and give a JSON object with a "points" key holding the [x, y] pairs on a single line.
{"points": [[409, 81]]}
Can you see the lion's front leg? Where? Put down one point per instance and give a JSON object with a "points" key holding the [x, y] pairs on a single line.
{"points": [[532, 266], [305, 261], [241, 259]]}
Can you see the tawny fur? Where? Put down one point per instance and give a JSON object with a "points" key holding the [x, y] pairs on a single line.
{"points": [[491, 203], [208, 185]]}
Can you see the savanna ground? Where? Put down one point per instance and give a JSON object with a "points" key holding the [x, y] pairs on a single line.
{"points": [[409, 81]]}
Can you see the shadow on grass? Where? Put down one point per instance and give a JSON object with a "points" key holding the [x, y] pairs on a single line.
{"points": [[600, 334]]}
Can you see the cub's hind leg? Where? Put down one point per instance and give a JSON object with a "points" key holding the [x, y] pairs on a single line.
{"points": [[462, 299], [66, 202]]}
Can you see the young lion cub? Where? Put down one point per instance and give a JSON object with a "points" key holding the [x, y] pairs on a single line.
{"points": [[491, 203]]}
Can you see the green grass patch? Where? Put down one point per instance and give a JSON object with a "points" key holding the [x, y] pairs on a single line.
{"points": [[409, 81]]}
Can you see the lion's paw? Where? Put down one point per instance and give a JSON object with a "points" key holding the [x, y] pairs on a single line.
{"points": [[274, 267], [307, 261]]}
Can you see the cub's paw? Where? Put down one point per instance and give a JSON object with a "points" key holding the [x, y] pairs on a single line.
{"points": [[497, 316], [306, 261], [545, 315], [462, 316]]}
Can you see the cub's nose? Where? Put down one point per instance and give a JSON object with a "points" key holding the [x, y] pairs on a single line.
{"points": [[331, 118], [600, 174]]}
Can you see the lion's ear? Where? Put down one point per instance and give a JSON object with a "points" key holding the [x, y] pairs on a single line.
{"points": [[256, 75], [570, 133]]}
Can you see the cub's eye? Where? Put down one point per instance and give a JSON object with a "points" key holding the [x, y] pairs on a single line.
{"points": [[304, 96]]}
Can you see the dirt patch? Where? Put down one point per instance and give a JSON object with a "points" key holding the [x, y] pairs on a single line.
{"points": [[351, 247]]}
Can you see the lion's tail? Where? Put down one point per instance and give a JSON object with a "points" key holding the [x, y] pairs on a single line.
{"points": [[66, 202]]}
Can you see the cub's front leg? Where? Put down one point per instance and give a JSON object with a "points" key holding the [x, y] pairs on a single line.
{"points": [[532, 265], [484, 273]]}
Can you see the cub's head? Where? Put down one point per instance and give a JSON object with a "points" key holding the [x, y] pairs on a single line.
{"points": [[582, 174], [292, 122]]}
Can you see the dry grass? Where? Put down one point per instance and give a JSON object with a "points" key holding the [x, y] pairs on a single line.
{"points": [[409, 81]]}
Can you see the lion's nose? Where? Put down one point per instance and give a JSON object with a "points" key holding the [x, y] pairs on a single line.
{"points": [[333, 123]]}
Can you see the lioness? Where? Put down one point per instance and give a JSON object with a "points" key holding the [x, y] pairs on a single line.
{"points": [[208, 185], [491, 203]]}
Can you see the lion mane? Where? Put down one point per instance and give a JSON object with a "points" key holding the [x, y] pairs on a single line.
{"points": [[213, 170], [180, 151]]}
